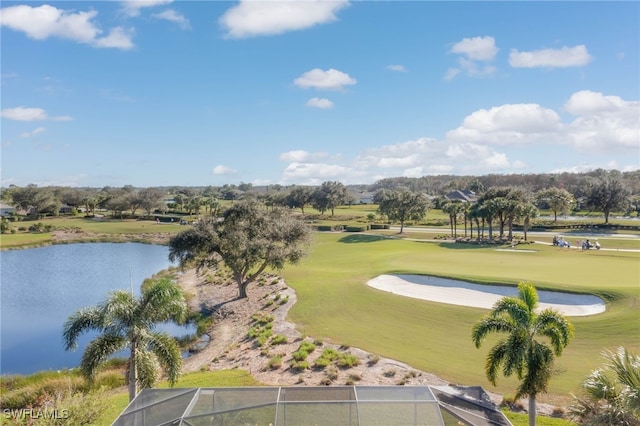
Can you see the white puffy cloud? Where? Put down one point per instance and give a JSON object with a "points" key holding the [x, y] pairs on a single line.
{"points": [[397, 68], [132, 8], [603, 122], [32, 133], [316, 173], [251, 18], [30, 114], [473, 51], [564, 57], [301, 156], [223, 170], [508, 124], [321, 103], [477, 48], [46, 21], [330, 79], [509, 138], [175, 17]]}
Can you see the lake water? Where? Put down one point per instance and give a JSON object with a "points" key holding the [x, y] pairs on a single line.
{"points": [[41, 287]]}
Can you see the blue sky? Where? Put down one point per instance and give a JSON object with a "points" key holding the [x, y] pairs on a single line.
{"points": [[155, 92]]}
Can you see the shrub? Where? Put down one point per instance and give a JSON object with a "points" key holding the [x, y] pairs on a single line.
{"points": [[279, 339], [308, 347], [299, 355], [330, 354], [321, 363], [379, 226], [300, 365], [262, 317], [389, 373], [331, 373], [275, 362], [372, 360], [353, 228], [347, 360]]}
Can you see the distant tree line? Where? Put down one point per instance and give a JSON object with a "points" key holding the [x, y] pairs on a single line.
{"points": [[599, 190]]}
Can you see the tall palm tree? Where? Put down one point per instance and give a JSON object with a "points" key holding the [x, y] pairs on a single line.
{"points": [[611, 395], [520, 352], [126, 321]]}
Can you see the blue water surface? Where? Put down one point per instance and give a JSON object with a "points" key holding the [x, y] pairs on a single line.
{"points": [[40, 288]]}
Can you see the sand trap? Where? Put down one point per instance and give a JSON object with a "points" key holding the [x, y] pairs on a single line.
{"points": [[463, 293]]}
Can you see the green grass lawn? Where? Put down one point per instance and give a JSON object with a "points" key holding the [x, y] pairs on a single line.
{"points": [[335, 302]]}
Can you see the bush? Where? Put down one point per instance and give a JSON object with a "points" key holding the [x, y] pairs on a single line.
{"points": [[321, 363], [279, 339], [299, 355], [347, 360], [308, 347], [300, 365], [379, 226], [353, 228], [330, 228], [330, 354], [275, 362]]}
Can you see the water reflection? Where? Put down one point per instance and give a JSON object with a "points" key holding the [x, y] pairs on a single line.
{"points": [[41, 287]]}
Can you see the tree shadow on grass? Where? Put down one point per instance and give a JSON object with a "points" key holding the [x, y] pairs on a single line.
{"points": [[351, 239]]}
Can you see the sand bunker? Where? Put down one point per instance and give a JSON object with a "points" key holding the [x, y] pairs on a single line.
{"points": [[463, 293]]}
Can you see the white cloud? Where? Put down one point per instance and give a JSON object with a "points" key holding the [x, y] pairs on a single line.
{"points": [[576, 56], [301, 156], [507, 125], [46, 21], [586, 102], [321, 103], [603, 122], [30, 114], [330, 79], [173, 16], [132, 8], [477, 48], [451, 74], [473, 50], [257, 18], [33, 132], [223, 170], [118, 38], [397, 68], [316, 173]]}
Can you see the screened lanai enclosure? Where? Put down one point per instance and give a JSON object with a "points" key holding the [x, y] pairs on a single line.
{"points": [[302, 406]]}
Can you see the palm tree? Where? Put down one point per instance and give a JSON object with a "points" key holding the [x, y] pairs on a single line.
{"points": [[611, 395], [520, 352], [126, 321]]}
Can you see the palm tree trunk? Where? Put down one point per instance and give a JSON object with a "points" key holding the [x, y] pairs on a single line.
{"points": [[133, 385], [532, 410]]}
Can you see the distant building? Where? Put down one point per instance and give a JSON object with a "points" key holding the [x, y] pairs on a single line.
{"points": [[7, 210], [464, 195]]}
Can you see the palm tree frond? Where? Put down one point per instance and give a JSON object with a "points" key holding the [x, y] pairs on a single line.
{"points": [[86, 319], [98, 350], [147, 367], [557, 328], [495, 358], [168, 354], [488, 325], [528, 294], [162, 301]]}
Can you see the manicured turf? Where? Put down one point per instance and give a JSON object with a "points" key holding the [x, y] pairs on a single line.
{"points": [[335, 302]]}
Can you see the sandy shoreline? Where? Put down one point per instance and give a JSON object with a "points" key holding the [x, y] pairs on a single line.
{"points": [[463, 293]]}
